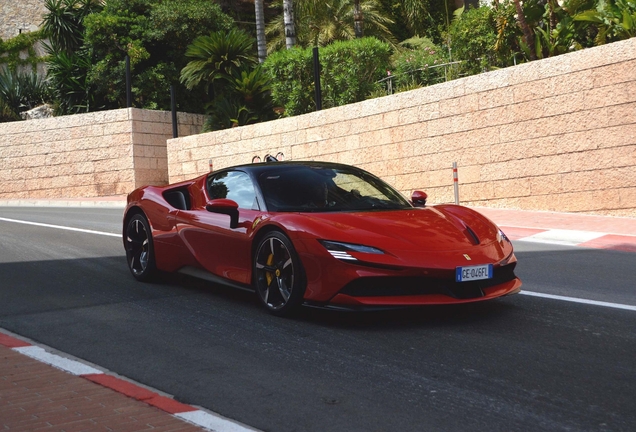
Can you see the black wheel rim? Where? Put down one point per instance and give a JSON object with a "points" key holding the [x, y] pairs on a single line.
{"points": [[137, 246], [274, 273]]}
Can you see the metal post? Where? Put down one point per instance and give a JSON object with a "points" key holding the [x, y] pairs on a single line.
{"points": [[128, 84], [211, 165], [317, 80], [455, 183], [173, 108]]}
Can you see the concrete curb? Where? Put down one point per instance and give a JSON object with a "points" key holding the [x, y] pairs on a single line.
{"points": [[154, 398]]}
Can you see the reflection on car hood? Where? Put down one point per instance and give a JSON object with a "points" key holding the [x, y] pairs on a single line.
{"points": [[437, 228]]}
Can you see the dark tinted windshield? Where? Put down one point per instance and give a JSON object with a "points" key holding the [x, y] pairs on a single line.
{"points": [[325, 189]]}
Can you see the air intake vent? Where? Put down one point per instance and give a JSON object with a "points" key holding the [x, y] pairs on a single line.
{"points": [[471, 235]]}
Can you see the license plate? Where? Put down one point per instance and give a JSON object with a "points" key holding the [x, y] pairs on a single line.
{"points": [[471, 273]]}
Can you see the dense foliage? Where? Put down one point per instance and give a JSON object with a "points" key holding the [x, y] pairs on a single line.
{"points": [[350, 72], [419, 63], [191, 44], [224, 67], [20, 91], [154, 35], [319, 23]]}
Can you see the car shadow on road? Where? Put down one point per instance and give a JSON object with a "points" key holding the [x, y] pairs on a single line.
{"points": [[432, 315]]}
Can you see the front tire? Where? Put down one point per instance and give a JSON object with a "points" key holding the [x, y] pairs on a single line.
{"points": [[278, 275], [139, 248]]}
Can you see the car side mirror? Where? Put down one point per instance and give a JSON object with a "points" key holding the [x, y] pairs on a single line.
{"points": [[224, 206], [418, 198]]}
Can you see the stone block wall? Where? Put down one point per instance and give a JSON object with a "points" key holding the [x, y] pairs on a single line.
{"points": [[557, 134], [87, 155], [16, 15]]}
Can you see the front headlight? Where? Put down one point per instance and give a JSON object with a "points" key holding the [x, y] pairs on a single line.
{"points": [[341, 250], [501, 237]]}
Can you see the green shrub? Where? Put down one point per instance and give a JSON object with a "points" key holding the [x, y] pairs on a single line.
{"points": [[473, 36], [154, 35], [418, 64], [292, 80], [350, 71], [20, 92]]}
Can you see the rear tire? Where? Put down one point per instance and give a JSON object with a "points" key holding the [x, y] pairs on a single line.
{"points": [[140, 253], [278, 276]]}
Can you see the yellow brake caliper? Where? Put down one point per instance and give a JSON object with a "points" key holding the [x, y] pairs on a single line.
{"points": [[269, 276]]}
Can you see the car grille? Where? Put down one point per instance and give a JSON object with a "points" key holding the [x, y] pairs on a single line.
{"points": [[387, 286]]}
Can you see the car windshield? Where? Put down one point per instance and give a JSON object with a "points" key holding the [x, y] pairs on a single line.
{"points": [[309, 188]]}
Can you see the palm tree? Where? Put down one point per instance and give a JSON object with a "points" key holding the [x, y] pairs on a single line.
{"points": [[358, 19], [528, 37], [416, 12], [320, 22], [288, 17], [261, 42], [240, 87], [64, 22], [216, 56]]}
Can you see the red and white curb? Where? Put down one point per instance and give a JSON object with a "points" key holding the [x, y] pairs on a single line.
{"points": [[588, 239], [188, 413]]}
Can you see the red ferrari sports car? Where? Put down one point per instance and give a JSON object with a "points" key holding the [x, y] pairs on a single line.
{"points": [[317, 233]]}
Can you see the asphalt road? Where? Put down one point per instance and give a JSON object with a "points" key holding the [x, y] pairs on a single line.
{"points": [[513, 364]]}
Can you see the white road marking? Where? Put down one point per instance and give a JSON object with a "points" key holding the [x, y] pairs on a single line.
{"points": [[579, 300], [68, 365], [563, 237], [213, 422], [60, 227]]}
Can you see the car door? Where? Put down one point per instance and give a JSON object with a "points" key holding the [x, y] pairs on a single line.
{"points": [[219, 249]]}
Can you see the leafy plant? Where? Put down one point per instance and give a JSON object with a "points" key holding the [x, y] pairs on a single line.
{"points": [[350, 71], [319, 23], [473, 35], [63, 23], [224, 65], [292, 80], [216, 56], [614, 19], [418, 63], [154, 34], [6, 113], [19, 51], [20, 92], [68, 74]]}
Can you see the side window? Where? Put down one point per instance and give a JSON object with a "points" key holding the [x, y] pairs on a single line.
{"points": [[234, 185]]}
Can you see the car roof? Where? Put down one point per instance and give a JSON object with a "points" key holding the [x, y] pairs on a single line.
{"points": [[257, 168]]}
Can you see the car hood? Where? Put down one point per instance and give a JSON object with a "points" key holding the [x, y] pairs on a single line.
{"points": [[439, 228]]}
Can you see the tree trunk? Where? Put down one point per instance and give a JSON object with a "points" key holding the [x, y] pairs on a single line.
{"points": [[358, 23], [528, 38], [288, 17], [261, 43]]}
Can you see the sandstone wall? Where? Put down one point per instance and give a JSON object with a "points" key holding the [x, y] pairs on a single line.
{"points": [[557, 134], [16, 15], [87, 155]]}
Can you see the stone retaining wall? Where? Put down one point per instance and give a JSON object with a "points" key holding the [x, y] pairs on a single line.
{"points": [[87, 155], [16, 15], [557, 134]]}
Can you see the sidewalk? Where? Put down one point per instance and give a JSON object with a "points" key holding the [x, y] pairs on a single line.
{"points": [[37, 396], [42, 391], [115, 201], [570, 229]]}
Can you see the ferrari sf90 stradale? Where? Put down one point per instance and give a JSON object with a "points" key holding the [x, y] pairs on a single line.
{"points": [[317, 233]]}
